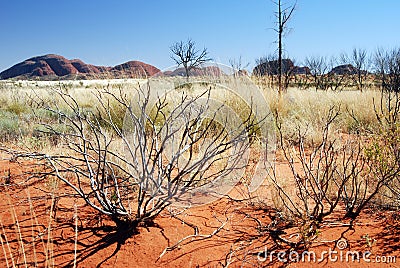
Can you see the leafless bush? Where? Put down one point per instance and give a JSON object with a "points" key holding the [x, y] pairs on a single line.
{"points": [[385, 149], [319, 177], [329, 175], [381, 170], [163, 153]]}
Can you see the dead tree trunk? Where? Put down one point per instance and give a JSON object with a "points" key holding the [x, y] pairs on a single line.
{"points": [[283, 15]]}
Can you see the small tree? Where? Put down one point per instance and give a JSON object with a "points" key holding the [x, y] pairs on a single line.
{"points": [[187, 55]]}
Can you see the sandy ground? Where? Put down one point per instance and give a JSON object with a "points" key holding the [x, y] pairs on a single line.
{"points": [[39, 228]]}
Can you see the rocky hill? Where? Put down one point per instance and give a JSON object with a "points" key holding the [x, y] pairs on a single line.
{"points": [[346, 69], [53, 66], [271, 68], [134, 69]]}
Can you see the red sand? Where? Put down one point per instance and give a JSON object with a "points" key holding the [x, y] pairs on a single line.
{"points": [[39, 230]]}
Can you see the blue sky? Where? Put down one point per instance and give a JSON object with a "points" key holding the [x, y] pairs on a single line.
{"points": [[111, 32]]}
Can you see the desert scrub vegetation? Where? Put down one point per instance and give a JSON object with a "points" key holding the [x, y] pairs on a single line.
{"points": [[338, 174], [335, 169], [341, 148], [321, 174], [130, 153]]}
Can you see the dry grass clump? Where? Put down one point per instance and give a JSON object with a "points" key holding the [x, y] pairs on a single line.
{"points": [[306, 110]]}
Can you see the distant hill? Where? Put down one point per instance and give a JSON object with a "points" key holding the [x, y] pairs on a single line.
{"points": [[134, 69], [346, 69], [203, 71], [271, 68], [53, 66]]}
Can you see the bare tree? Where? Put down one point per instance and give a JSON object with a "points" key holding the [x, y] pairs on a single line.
{"points": [[359, 60], [387, 69], [187, 55], [282, 15], [162, 154], [387, 112], [335, 81], [289, 72], [238, 66], [318, 67]]}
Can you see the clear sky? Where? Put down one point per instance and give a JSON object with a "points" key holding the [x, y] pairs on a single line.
{"points": [[111, 32]]}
